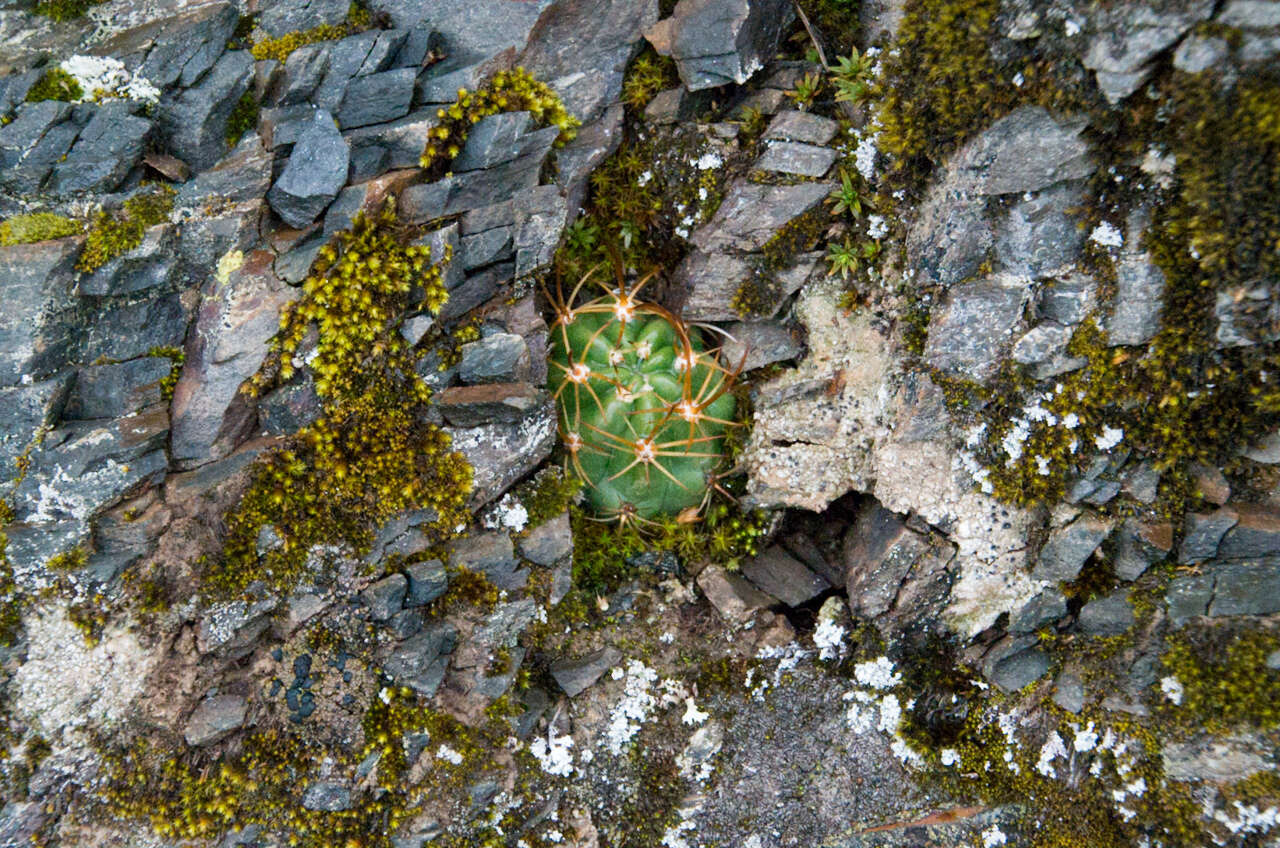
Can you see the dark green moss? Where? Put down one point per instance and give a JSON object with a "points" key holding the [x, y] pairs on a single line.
{"points": [[243, 118], [55, 84], [64, 10], [114, 234], [1225, 678]]}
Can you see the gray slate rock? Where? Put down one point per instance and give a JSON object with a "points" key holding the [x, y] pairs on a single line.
{"points": [[82, 468], [469, 27], [1068, 692], [1027, 150], [732, 596], [784, 577], [128, 330], [245, 174], [1126, 36], [1139, 301], [1188, 597], [1014, 663], [23, 411], [462, 192], [500, 358], [715, 42], [328, 796], [790, 157], [153, 263], [420, 661], [304, 70], [968, 334], [385, 597], [287, 409], [1109, 616], [180, 49], [584, 45], [549, 542], [117, 389], [492, 141], [1251, 588], [428, 580], [756, 344], [315, 173], [1045, 608], [1139, 545], [106, 150], [491, 554], [286, 16], [793, 125], [377, 98], [751, 214], [19, 137], [574, 676], [1203, 532], [1068, 299], [215, 719], [1039, 234], [1067, 549], [501, 453], [227, 345], [471, 406], [346, 61], [193, 121], [892, 573], [1255, 536]]}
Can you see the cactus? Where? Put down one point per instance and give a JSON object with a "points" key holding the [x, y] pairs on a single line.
{"points": [[643, 408]]}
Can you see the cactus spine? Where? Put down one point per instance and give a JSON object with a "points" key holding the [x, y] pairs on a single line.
{"points": [[643, 407]]}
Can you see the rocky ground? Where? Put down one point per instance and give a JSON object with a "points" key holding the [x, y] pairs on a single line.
{"points": [[997, 559]]}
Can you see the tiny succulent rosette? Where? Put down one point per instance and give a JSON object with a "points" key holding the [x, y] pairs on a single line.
{"points": [[644, 408]]}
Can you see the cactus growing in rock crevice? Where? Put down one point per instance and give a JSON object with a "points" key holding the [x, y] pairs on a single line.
{"points": [[643, 407]]}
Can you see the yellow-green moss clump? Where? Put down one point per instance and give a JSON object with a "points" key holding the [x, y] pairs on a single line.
{"points": [[506, 91], [649, 74], [116, 233], [37, 226], [548, 495], [55, 84], [372, 454], [186, 797], [358, 20], [178, 357], [1225, 679]]}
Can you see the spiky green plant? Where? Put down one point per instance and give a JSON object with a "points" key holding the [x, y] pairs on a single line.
{"points": [[644, 407]]}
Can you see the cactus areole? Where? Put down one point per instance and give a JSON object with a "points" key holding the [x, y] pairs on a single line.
{"points": [[643, 407]]}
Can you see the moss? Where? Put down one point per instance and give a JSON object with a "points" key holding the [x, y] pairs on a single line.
{"points": [[1225, 679], [114, 234], [726, 536], [358, 20], [797, 235], [506, 91], [68, 560], [55, 84], [64, 10], [648, 74], [37, 226], [195, 796], [177, 356], [758, 295], [243, 118], [548, 495], [372, 454], [837, 24]]}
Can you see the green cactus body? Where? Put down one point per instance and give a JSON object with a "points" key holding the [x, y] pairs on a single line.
{"points": [[643, 407]]}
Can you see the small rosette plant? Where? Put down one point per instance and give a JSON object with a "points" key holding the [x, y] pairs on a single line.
{"points": [[644, 408]]}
